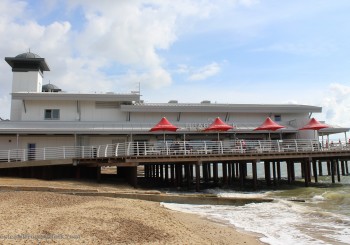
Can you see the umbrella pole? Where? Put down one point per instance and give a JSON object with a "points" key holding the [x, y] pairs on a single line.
{"points": [[218, 137]]}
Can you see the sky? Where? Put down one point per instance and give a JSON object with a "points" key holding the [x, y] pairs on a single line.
{"points": [[225, 51]]}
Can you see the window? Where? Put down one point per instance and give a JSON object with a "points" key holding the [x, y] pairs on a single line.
{"points": [[278, 118], [52, 114]]}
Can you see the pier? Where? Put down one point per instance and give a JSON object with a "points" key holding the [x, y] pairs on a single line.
{"points": [[186, 164]]}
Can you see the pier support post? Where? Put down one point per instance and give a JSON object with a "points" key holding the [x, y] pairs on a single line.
{"points": [[329, 170], [332, 168], [289, 171], [98, 174], [274, 173], [205, 172], [278, 171], [215, 173], [338, 170], [224, 173], [172, 174], [241, 174], [314, 168], [320, 171], [255, 175], [198, 175], [229, 173], [347, 167], [342, 167], [306, 167], [267, 172], [167, 173]]}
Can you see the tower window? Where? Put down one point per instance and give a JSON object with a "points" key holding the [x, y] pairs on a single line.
{"points": [[52, 114]]}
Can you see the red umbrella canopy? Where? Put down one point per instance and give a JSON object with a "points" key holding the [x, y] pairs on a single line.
{"points": [[164, 125], [314, 125], [268, 124], [218, 125]]}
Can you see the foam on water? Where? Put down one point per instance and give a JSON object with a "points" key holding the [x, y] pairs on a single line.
{"points": [[279, 222]]}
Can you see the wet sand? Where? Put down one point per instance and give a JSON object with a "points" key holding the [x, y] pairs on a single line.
{"points": [[28, 217]]}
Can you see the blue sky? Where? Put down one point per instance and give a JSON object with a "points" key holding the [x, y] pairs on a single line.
{"points": [[238, 51]]}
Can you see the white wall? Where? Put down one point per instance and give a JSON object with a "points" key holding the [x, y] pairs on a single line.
{"points": [[35, 110], [30, 81]]}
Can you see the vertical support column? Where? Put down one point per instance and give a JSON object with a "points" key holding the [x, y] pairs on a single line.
{"points": [[224, 173], [198, 175], [77, 172], [320, 170], [161, 169], [255, 175], [332, 168], [305, 165], [205, 172], [338, 170], [289, 175], [267, 172], [172, 174], [241, 174], [329, 170], [229, 173], [167, 173], [342, 164], [215, 174], [347, 167], [154, 171], [188, 174], [274, 173], [278, 171], [98, 174], [314, 168], [292, 167]]}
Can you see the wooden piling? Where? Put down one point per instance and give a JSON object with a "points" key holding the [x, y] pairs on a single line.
{"points": [[224, 173], [314, 168], [320, 170], [198, 177], [254, 171]]}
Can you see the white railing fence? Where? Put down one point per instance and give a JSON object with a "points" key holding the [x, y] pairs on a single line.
{"points": [[168, 148]]}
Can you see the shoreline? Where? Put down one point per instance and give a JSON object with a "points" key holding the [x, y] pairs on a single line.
{"points": [[159, 224]]}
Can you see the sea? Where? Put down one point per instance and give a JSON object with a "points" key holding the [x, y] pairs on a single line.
{"points": [[297, 214]]}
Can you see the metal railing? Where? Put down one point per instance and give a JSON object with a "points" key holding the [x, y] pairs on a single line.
{"points": [[168, 148]]}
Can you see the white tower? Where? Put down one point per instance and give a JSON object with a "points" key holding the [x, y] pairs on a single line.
{"points": [[28, 71]]}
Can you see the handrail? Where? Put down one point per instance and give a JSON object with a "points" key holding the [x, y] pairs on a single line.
{"points": [[169, 148]]}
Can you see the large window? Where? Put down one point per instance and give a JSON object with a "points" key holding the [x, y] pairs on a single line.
{"points": [[52, 114]]}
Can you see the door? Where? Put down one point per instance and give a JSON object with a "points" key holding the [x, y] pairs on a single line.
{"points": [[31, 151]]}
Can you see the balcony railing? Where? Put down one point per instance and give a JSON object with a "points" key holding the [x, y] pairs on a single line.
{"points": [[169, 148]]}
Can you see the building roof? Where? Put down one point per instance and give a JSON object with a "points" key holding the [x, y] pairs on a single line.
{"points": [[27, 61], [74, 96], [50, 88], [207, 107], [28, 55]]}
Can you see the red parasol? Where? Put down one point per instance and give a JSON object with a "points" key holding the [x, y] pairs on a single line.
{"points": [[314, 125], [164, 125], [269, 125], [218, 125]]}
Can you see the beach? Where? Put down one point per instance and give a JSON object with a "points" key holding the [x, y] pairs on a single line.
{"points": [[46, 217]]}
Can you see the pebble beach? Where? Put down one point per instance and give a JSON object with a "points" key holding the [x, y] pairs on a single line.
{"points": [[42, 217]]}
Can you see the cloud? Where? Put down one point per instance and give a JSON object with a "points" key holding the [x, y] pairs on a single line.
{"points": [[205, 72], [336, 104]]}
